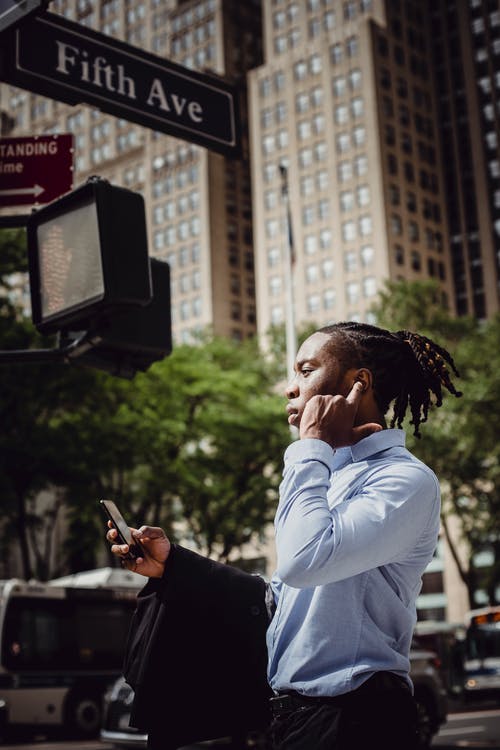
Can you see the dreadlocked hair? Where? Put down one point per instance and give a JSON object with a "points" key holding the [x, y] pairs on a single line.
{"points": [[407, 368]]}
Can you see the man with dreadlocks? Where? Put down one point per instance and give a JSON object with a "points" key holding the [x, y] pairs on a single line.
{"points": [[356, 525]]}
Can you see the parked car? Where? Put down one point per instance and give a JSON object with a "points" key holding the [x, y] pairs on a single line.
{"points": [[117, 732], [430, 692], [430, 695]]}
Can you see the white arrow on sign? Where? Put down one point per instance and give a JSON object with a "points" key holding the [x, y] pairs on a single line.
{"points": [[35, 190]]}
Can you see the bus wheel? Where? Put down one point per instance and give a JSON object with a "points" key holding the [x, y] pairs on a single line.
{"points": [[83, 714]]}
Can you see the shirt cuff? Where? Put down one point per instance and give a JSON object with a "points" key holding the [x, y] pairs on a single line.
{"points": [[310, 449]]}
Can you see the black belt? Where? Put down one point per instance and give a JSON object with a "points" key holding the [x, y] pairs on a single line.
{"points": [[380, 682]]}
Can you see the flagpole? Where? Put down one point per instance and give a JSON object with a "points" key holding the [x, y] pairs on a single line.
{"points": [[291, 335]]}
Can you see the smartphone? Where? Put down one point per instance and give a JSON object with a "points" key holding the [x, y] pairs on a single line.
{"points": [[122, 527]]}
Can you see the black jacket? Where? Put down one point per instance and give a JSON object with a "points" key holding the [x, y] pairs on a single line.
{"points": [[196, 655]]}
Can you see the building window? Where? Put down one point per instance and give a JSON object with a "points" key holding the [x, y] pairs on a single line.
{"points": [[271, 199], [357, 107], [348, 231], [281, 112], [275, 286], [300, 70], [304, 130], [325, 238], [327, 268], [317, 96], [266, 118], [312, 274], [305, 157], [273, 256], [322, 180], [351, 46], [310, 244], [313, 303], [320, 151], [323, 209], [367, 254], [396, 225], [280, 44], [359, 136], [301, 102], [360, 165], [343, 143], [346, 200], [413, 231], [344, 170], [318, 124], [308, 215], [354, 78], [276, 314], [411, 202], [339, 86], [265, 87], [314, 28], [394, 195], [328, 299], [363, 195], [349, 11], [350, 261], [336, 53], [399, 255], [365, 226], [315, 64], [341, 114], [352, 292], [369, 286], [306, 186]]}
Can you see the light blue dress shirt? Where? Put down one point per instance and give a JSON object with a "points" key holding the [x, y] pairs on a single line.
{"points": [[355, 530]]}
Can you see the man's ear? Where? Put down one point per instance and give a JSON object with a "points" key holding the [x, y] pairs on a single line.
{"points": [[364, 377]]}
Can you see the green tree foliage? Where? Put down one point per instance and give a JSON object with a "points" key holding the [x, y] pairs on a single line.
{"points": [[34, 452], [461, 442], [194, 444]]}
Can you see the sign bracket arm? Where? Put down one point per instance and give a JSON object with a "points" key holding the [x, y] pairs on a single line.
{"points": [[45, 356]]}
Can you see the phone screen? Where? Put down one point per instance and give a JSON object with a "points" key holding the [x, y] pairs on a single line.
{"points": [[122, 527]]}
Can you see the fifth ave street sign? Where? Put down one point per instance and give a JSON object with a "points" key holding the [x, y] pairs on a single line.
{"points": [[66, 61], [35, 169]]}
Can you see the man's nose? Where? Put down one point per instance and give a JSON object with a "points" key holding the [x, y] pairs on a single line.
{"points": [[292, 389]]}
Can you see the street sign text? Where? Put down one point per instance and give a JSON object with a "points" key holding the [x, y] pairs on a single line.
{"points": [[66, 61], [35, 169]]}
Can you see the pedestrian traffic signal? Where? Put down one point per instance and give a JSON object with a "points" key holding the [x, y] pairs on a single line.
{"points": [[88, 256], [93, 283]]}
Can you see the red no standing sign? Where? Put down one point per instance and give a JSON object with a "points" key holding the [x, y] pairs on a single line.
{"points": [[36, 169]]}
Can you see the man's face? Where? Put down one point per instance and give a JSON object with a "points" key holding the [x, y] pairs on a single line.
{"points": [[317, 372]]}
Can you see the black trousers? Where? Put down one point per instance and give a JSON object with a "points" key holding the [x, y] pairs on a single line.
{"points": [[380, 714]]}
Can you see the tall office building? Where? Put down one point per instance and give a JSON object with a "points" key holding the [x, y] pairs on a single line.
{"points": [[385, 115], [198, 202], [347, 100], [466, 62]]}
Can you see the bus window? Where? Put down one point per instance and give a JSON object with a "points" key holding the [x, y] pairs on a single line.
{"points": [[483, 642], [35, 635], [65, 634], [101, 630]]}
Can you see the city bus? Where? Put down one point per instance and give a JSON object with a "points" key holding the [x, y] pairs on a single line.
{"points": [[482, 653], [61, 645]]}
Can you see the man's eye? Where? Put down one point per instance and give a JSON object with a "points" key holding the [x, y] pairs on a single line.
{"points": [[306, 371]]}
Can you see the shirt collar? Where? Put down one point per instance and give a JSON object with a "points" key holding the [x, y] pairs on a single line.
{"points": [[369, 446]]}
